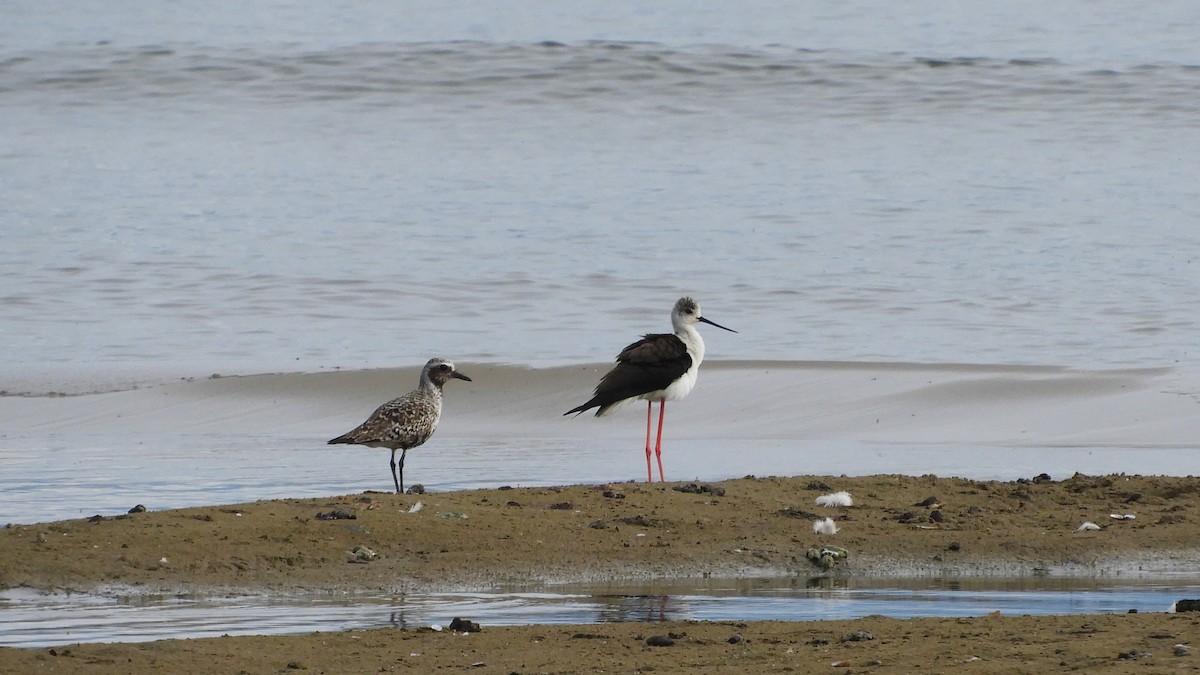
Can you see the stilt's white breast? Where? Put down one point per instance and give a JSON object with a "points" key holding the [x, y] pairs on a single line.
{"points": [[686, 382]]}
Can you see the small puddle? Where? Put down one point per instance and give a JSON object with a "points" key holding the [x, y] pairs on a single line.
{"points": [[33, 619]]}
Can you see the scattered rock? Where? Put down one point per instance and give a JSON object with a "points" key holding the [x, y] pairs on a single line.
{"points": [[1187, 606], [1043, 478], [736, 639], [562, 506], [137, 509], [827, 556], [792, 512], [464, 625], [857, 636], [642, 521], [937, 517], [598, 525], [912, 517], [613, 494], [1132, 655], [659, 641], [1081, 483], [954, 546], [362, 554], [697, 488], [1135, 497], [340, 514], [928, 501], [818, 485], [512, 503]]}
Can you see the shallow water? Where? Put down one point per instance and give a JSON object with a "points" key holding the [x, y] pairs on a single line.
{"points": [[32, 619]]}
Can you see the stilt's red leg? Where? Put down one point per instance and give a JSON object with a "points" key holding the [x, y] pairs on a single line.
{"points": [[649, 417], [662, 412]]}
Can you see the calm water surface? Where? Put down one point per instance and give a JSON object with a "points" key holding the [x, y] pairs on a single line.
{"points": [[231, 189]]}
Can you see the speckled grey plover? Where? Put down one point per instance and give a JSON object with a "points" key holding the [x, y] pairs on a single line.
{"points": [[660, 367], [406, 422]]}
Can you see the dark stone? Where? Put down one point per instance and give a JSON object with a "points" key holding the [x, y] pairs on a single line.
{"points": [[911, 517], [562, 506], [641, 521], [513, 504], [697, 488], [928, 501], [818, 485], [598, 525], [464, 625], [1043, 478], [659, 641], [1187, 606], [1135, 497], [340, 514], [612, 494], [137, 509], [792, 512], [936, 516], [735, 639], [417, 489], [954, 546]]}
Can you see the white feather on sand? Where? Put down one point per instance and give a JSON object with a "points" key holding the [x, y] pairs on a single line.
{"points": [[835, 500], [825, 526], [1087, 525]]}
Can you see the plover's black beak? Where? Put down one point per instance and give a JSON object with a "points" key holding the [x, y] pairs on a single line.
{"points": [[714, 323], [460, 376]]}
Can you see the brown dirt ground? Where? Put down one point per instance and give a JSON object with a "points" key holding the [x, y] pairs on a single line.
{"points": [[759, 527]]}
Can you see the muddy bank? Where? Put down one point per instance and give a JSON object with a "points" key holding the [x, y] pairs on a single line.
{"points": [[897, 525]]}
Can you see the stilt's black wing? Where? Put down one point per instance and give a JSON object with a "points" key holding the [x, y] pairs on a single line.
{"points": [[650, 364]]}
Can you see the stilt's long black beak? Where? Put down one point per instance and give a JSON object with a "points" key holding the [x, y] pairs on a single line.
{"points": [[460, 376], [714, 323]]}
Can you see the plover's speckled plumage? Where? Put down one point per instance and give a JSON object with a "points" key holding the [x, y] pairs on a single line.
{"points": [[406, 422], [660, 367]]}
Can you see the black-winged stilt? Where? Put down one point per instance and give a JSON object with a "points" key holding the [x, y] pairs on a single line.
{"points": [[660, 367], [406, 422]]}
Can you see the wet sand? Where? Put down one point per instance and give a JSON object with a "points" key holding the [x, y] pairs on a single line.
{"points": [[747, 527]]}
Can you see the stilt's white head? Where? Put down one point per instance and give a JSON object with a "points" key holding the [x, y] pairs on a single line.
{"points": [[687, 313]]}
